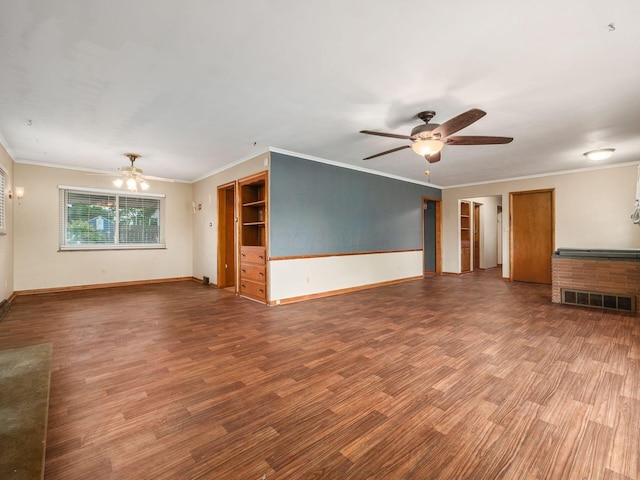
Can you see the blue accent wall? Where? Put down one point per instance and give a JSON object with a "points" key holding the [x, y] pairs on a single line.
{"points": [[318, 209]]}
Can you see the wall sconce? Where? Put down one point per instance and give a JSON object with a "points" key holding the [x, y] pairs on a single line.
{"points": [[196, 206], [19, 193]]}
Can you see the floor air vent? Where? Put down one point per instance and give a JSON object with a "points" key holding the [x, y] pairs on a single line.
{"points": [[624, 303]]}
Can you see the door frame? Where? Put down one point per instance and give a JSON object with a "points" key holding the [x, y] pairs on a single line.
{"points": [[438, 204], [223, 231], [552, 191]]}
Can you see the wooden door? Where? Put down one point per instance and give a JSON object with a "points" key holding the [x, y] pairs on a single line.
{"points": [[226, 236], [476, 236], [532, 235]]}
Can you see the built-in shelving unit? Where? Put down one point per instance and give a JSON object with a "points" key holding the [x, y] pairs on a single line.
{"points": [[253, 236], [465, 236]]}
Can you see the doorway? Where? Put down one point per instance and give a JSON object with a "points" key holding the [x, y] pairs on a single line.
{"points": [[532, 235], [432, 235], [479, 236], [227, 236]]}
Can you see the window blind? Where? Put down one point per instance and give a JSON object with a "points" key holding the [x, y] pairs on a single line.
{"points": [[100, 219], [3, 194]]}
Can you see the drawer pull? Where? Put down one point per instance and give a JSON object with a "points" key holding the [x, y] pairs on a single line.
{"points": [[243, 271], [243, 286], [261, 274], [261, 291]]}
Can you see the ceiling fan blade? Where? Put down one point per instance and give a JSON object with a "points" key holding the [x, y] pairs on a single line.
{"points": [[388, 151], [432, 158], [382, 134], [477, 140], [459, 122]]}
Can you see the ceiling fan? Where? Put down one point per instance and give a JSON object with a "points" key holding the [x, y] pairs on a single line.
{"points": [[429, 139], [133, 177]]}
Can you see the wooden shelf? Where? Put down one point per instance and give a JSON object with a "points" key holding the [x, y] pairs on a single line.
{"points": [[465, 237], [253, 237], [257, 203]]}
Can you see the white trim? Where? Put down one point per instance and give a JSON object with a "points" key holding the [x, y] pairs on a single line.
{"points": [[549, 174], [228, 166], [84, 169], [110, 246], [351, 167], [4, 175], [127, 193]]}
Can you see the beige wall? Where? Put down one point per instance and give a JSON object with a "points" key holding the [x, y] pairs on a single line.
{"points": [[6, 241], [38, 263], [205, 231], [592, 210]]}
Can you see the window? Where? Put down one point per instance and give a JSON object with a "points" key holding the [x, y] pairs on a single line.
{"points": [[103, 219], [3, 193]]}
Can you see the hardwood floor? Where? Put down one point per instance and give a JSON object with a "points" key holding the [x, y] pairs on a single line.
{"points": [[448, 377]]}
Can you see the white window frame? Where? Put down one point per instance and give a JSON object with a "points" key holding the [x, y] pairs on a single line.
{"points": [[64, 246], [4, 175]]}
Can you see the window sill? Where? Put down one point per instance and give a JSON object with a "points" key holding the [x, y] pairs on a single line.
{"points": [[93, 248]]}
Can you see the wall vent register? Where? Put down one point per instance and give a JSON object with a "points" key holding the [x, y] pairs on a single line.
{"points": [[610, 301]]}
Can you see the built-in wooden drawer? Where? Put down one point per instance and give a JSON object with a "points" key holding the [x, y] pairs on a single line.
{"points": [[253, 289], [253, 255], [253, 272]]}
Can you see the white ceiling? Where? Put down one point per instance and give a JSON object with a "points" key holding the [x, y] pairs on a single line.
{"points": [[191, 85]]}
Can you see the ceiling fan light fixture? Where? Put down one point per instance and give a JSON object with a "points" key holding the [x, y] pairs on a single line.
{"points": [[131, 184], [599, 154], [118, 182], [144, 185], [427, 147]]}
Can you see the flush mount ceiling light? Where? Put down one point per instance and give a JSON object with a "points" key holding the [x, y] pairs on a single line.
{"points": [[599, 154]]}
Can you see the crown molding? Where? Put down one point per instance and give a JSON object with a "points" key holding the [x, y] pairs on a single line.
{"points": [[541, 175], [78, 169], [351, 167]]}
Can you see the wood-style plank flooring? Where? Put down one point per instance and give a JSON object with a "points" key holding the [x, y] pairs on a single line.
{"points": [[447, 377]]}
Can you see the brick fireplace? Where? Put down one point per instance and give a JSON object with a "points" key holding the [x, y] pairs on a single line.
{"points": [[597, 278]]}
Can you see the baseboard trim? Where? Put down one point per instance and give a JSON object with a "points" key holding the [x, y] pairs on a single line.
{"points": [[100, 285], [330, 293]]}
